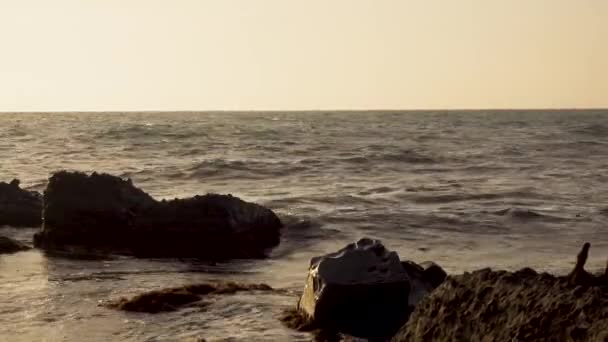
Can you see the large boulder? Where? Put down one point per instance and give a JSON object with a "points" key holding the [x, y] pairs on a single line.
{"points": [[488, 305], [19, 207], [8, 245], [361, 290], [106, 213], [211, 226]]}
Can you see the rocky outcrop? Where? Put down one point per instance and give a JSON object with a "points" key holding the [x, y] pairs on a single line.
{"points": [[488, 305], [19, 207], [174, 298], [104, 212], [362, 290], [8, 245]]}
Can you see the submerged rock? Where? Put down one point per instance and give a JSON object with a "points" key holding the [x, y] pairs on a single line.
{"points": [[104, 212], [8, 245], [491, 305], [19, 207], [174, 298], [361, 290]]}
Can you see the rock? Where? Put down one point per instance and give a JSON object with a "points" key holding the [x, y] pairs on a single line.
{"points": [[491, 305], [412, 268], [424, 278], [97, 211], [8, 245], [19, 207], [361, 290], [157, 301], [419, 287], [294, 319], [211, 226], [174, 298], [104, 212], [433, 273], [579, 276]]}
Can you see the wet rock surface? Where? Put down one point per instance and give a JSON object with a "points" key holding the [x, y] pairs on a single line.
{"points": [[8, 245], [488, 305], [107, 213], [175, 298], [19, 207]]}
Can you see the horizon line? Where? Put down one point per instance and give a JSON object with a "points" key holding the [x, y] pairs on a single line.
{"points": [[522, 109]]}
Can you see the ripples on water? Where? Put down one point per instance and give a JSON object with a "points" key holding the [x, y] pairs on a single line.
{"points": [[468, 190]]}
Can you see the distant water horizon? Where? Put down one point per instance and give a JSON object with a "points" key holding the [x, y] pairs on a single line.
{"points": [[465, 188], [338, 110]]}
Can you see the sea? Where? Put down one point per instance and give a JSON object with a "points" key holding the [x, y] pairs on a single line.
{"points": [[467, 189]]}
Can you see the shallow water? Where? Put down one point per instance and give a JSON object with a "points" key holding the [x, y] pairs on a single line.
{"points": [[465, 189]]}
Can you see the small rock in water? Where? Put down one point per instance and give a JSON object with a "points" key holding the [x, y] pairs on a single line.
{"points": [[174, 298], [8, 245], [19, 207]]}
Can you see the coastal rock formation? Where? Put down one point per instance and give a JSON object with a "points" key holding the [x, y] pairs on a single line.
{"points": [[488, 305], [19, 207], [107, 213], [8, 245], [174, 298], [424, 278], [361, 290]]}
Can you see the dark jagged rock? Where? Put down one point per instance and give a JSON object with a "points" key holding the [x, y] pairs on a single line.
{"points": [[104, 212], [174, 298], [362, 290], [8, 245], [424, 278], [491, 305], [433, 273], [216, 227], [579, 276], [19, 207]]}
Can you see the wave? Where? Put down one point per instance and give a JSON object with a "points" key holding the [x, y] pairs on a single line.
{"points": [[594, 130], [254, 169], [526, 215], [449, 198], [135, 132], [402, 156], [16, 132]]}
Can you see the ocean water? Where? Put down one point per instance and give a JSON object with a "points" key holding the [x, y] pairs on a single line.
{"points": [[501, 189]]}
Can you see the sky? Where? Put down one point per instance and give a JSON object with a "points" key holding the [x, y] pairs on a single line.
{"points": [[104, 55]]}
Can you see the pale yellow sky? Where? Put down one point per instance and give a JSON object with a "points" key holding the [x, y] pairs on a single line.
{"points": [[309, 54]]}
